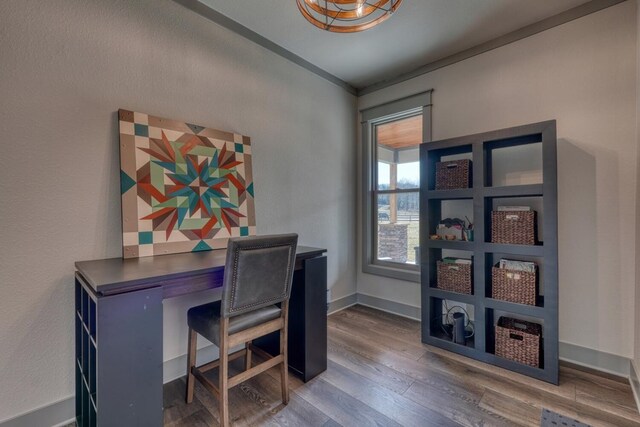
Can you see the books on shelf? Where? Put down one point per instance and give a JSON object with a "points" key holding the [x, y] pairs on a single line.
{"points": [[514, 208], [509, 264], [453, 260]]}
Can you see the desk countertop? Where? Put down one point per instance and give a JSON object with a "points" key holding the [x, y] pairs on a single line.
{"points": [[104, 275]]}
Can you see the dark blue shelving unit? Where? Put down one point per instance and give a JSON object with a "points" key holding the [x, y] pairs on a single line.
{"points": [[480, 148]]}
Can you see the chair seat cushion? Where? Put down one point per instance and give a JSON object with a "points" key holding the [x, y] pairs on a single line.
{"points": [[205, 320]]}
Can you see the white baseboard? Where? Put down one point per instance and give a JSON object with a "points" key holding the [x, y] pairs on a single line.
{"points": [[595, 359], [54, 414], [342, 303], [635, 383], [393, 307]]}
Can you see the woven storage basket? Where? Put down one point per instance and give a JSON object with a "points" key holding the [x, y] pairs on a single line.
{"points": [[519, 340], [453, 174], [513, 227], [514, 286], [454, 277]]}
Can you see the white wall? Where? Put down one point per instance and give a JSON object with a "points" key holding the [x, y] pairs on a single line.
{"points": [[583, 74], [66, 66]]}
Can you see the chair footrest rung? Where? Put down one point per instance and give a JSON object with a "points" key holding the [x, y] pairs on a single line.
{"points": [[258, 369], [206, 382]]}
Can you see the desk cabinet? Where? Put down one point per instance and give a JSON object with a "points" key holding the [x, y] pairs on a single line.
{"points": [[119, 367], [118, 321]]}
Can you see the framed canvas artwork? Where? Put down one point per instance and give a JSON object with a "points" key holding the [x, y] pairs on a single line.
{"points": [[185, 188]]}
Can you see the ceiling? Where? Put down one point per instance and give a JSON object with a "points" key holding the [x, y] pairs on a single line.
{"points": [[400, 134], [420, 32]]}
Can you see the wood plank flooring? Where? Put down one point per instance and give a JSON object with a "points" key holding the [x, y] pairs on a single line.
{"points": [[379, 374]]}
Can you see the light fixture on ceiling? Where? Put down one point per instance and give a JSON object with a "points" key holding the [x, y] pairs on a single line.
{"points": [[347, 16]]}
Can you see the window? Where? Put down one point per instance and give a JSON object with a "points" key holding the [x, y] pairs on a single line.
{"points": [[392, 134]]}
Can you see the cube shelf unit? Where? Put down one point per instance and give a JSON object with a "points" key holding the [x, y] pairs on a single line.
{"points": [[86, 350], [481, 148]]}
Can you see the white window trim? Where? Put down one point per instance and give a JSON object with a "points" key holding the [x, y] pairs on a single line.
{"points": [[371, 117]]}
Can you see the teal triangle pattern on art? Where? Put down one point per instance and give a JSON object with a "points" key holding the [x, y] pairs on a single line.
{"points": [[250, 189], [202, 246], [126, 182], [195, 128]]}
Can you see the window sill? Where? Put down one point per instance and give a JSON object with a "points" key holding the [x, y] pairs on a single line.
{"points": [[392, 272]]}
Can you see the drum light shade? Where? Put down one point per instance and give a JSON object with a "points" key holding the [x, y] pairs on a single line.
{"points": [[347, 16]]}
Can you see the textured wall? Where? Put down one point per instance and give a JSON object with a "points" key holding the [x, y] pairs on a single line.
{"points": [[66, 66], [583, 74]]}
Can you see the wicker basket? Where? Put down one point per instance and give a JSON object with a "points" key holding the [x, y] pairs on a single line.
{"points": [[514, 286], [513, 227], [453, 174], [519, 340], [454, 277]]}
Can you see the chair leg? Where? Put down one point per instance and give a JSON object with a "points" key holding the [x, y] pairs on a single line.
{"points": [[284, 366], [247, 359], [191, 362], [224, 373]]}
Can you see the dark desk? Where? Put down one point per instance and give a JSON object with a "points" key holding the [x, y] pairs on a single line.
{"points": [[119, 328]]}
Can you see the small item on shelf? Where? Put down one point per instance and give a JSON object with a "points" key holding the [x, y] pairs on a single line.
{"points": [[515, 281], [435, 237], [515, 227], [453, 175], [453, 260], [459, 328], [454, 275], [451, 229], [519, 340], [456, 323], [514, 208], [510, 264], [468, 231]]}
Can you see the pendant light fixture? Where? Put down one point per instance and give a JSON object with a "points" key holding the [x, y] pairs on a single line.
{"points": [[347, 16]]}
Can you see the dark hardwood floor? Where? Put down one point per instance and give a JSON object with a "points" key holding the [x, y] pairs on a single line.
{"points": [[380, 374]]}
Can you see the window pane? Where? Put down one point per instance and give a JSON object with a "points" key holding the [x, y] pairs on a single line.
{"points": [[409, 175], [398, 153], [398, 220]]}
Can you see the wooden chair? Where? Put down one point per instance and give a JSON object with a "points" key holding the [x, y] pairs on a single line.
{"points": [[257, 276]]}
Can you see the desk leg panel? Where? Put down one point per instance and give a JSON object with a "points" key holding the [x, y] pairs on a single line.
{"points": [[313, 319], [129, 355], [307, 321]]}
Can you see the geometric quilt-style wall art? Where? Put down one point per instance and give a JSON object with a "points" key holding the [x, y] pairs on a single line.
{"points": [[185, 188]]}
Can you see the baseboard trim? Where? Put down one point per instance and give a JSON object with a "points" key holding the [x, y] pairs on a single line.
{"points": [[635, 383], [595, 359], [342, 303], [401, 309], [55, 414]]}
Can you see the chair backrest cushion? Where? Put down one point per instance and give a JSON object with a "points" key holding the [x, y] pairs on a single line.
{"points": [[258, 272]]}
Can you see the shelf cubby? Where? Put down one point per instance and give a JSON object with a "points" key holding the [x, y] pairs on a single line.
{"points": [[491, 259], [515, 166], [513, 161], [534, 202], [438, 331], [86, 357], [491, 320]]}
